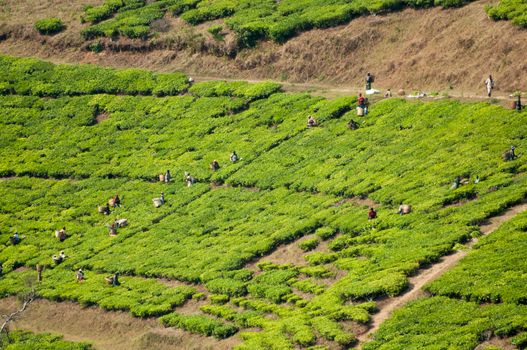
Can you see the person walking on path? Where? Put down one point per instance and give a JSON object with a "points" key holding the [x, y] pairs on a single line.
{"points": [[489, 83]]}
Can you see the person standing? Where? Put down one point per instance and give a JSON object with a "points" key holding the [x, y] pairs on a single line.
{"points": [[489, 83], [369, 80], [518, 105]]}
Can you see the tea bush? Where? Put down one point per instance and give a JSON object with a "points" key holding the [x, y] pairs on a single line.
{"points": [[250, 20], [49, 26], [18, 340], [513, 10]]}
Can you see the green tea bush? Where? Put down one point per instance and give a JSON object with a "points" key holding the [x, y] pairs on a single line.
{"points": [[19, 339], [494, 272], [309, 244], [514, 10], [49, 26], [444, 322], [251, 21], [325, 233], [199, 324]]}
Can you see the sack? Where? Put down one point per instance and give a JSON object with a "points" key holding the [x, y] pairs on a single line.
{"points": [[360, 111]]}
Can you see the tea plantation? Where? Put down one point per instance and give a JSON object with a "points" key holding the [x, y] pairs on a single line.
{"points": [[251, 20], [483, 297], [72, 137]]}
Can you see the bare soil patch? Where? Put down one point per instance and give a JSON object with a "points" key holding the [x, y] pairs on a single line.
{"points": [[101, 117], [365, 202]]}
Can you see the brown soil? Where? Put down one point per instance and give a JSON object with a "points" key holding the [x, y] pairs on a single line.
{"points": [[449, 51], [366, 202], [101, 117], [435, 271], [501, 343], [290, 253], [107, 330]]}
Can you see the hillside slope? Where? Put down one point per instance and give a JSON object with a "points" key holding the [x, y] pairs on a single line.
{"points": [[430, 49], [275, 250]]}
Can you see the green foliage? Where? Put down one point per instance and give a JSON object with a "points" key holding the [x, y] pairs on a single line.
{"points": [[495, 271], [513, 10], [216, 32], [250, 20], [24, 340], [199, 324], [309, 244], [442, 323], [64, 156], [49, 26], [28, 76], [325, 233]]}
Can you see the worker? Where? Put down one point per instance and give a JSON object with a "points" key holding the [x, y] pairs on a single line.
{"points": [[113, 280], [61, 234], [489, 83], [510, 154], [234, 157], [80, 275], [40, 269], [361, 101], [15, 239], [214, 165], [104, 209], [189, 179], [476, 180], [167, 176], [369, 80], [518, 104], [372, 214], [404, 209], [353, 125], [57, 259], [311, 122], [388, 93], [117, 201], [457, 182], [112, 230]]}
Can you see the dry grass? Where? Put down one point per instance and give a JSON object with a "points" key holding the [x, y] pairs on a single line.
{"points": [[433, 50]]}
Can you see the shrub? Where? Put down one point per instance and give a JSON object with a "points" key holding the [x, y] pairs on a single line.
{"points": [[199, 324], [309, 244], [49, 26]]}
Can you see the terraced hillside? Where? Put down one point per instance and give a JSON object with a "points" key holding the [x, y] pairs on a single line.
{"points": [[274, 250], [410, 45]]}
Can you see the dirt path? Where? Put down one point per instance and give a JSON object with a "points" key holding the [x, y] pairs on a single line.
{"points": [[108, 330], [334, 91], [435, 271]]}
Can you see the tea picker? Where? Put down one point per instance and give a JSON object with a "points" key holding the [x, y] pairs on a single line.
{"points": [[214, 165], [311, 122], [159, 201], [510, 154], [61, 234]]}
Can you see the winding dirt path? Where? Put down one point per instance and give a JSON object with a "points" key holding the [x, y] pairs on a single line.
{"points": [[435, 271]]}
